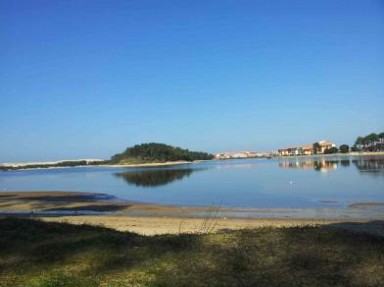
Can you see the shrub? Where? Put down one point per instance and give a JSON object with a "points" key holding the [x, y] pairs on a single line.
{"points": [[344, 148]]}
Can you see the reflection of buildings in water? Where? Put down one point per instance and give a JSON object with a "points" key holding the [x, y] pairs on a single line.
{"points": [[370, 165], [326, 165], [297, 164], [152, 178], [320, 165]]}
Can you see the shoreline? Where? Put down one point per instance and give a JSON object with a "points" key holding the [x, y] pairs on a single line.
{"points": [[153, 164], [24, 166], [76, 202], [151, 219], [17, 167], [350, 154], [177, 225]]}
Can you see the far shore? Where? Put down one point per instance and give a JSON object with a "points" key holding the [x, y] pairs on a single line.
{"points": [[149, 219], [25, 166], [350, 154], [153, 164]]}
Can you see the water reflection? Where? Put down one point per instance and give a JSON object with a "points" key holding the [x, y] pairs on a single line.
{"points": [[345, 162], [320, 165], [372, 165], [152, 178]]}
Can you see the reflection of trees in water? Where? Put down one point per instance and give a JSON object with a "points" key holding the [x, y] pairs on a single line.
{"points": [[371, 165], [152, 178], [345, 162]]}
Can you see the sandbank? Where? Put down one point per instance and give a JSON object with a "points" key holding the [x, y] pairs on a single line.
{"points": [[142, 218], [153, 164], [47, 165]]}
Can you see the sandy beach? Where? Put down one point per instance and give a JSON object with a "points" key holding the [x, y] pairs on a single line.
{"points": [[174, 225], [146, 219]]}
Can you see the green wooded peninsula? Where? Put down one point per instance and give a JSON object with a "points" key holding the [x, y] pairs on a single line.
{"points": [[157, 153], [139, 154]]}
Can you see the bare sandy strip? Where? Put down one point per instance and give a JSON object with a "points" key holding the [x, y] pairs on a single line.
{"points": [[173, 225], [145, 219], [46, 165], [153, 164]]}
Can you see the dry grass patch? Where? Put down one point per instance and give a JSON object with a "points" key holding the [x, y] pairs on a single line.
{"points": [[36, 253]]}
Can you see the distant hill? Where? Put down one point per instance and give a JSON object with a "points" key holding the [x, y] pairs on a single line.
{"points": [[157, 152]]}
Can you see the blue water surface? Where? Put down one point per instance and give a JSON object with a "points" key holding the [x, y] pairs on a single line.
{"points": [[330, 182]]}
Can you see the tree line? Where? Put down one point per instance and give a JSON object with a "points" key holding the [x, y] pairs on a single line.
{"points": [[371, 142], [157, 152]]}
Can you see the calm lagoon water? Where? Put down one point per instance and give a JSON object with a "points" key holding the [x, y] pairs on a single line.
{"points": [[331, 183], [291, 183]]}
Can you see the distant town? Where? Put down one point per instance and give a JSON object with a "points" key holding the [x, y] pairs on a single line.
{"points": [[320, 147], [373, 142], [154, 153], [241, 154]]}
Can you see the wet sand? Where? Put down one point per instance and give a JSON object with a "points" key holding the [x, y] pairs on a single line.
{"points": [[146, 219]]}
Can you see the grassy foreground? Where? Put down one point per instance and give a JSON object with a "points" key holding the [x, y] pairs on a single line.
{"points": [[36, 253]]}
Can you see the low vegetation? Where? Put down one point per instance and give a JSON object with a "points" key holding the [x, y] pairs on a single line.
{"points": [[157, 152], [35, 253], [69, 163], [138, 154]]}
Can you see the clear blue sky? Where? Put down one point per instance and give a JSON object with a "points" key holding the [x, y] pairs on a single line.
{"points": [[81, 79]]}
